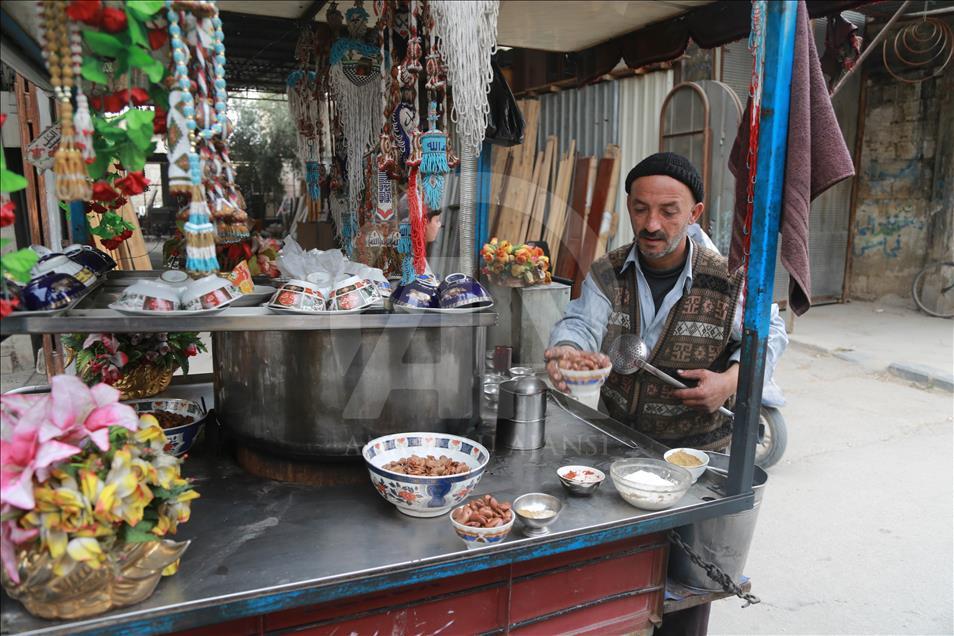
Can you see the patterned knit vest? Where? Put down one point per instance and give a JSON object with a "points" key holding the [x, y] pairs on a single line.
{"points": [[696, 336]]}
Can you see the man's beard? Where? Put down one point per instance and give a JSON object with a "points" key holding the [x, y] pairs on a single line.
{"points": [[671, 246]]}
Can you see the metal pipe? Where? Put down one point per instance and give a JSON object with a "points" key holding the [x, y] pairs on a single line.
{"points": [[780, 22], [871, 47]]}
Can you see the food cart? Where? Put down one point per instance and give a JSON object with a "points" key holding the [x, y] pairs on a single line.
{"points": [[329, 555]]}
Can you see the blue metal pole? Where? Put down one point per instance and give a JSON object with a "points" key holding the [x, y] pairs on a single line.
{"points": [[483, 200], [769, 186]]}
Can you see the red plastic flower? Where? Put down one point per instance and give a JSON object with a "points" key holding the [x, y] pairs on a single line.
{"points": [[132, 183], [118, 203], [157, 37], [3, 118], [114, 20], [96, 102], [98, 208], [113, 103], [7, 306], [6, 214], [159, 122], [102, 191], [88, 11], [138, 96]]}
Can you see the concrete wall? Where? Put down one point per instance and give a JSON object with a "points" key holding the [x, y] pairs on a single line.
{"points": [[903, 215]]}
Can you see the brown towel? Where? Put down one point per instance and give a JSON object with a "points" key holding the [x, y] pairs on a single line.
{"points": [[817, 158]]}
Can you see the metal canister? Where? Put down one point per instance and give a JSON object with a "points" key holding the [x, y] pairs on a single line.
{"points": [[521, 414]]}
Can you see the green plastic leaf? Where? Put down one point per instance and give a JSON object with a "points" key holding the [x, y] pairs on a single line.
{"points": [[144, 9], [139, 127], [11, 181], [97, 169], [18, 264], [93, 71], [159, 95], [103, 43], [137, 35], [140, 58], [140, 532], [131, 157]]}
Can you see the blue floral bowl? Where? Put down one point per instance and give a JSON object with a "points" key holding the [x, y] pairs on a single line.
{"points": [[460, 290], [90, 257], [424, 496], [480, 537], [53, 290], [179, 439], [421, 293]]}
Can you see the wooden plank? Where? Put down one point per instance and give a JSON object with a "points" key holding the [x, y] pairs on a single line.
{"points": [[527, 208], [594, 220], [535, 231], [556, 223], [576, 219], [610, 218]]}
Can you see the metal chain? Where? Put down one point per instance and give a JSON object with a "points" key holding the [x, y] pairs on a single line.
{"points": [[714, 572]]}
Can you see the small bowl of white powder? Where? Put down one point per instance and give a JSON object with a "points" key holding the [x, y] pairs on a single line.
{"points": [[650, 484]]}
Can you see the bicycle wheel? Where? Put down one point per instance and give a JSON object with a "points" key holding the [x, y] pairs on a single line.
{"points": [[933, 290]]}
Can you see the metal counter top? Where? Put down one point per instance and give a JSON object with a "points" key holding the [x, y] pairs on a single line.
{"points": [[261, 546]]}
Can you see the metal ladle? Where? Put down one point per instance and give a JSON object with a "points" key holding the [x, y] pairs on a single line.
{"points": [[629, 353]]}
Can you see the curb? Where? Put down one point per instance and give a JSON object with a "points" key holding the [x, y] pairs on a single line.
{"points": [[926, 376], [923, 375]]}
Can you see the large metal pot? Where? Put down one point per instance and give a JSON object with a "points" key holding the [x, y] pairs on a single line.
{"points": [[321, 394]]}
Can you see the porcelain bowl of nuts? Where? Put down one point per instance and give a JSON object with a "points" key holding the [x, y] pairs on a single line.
{"points": [[424, 474], [482, 521]]}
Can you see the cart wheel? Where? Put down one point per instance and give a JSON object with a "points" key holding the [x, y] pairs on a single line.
{"points": [[773, 437]]}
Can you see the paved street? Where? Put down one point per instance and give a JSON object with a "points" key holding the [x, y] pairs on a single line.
{"points": [[855, 531]]}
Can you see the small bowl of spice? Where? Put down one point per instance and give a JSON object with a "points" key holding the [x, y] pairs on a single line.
{"points": [[580, 480], [482, 521], [695, 461], [650, 484], [181, 420], [536, 511]]}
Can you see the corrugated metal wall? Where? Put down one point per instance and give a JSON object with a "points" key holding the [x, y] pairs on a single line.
{"points": [[640, 102], [624, 112], [589, 114]]}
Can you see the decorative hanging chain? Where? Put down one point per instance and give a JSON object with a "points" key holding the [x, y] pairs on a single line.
{"points": [[756, 45], [714, 572]]}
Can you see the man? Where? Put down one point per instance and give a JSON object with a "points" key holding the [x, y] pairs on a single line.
{"points": [[679, 297]]}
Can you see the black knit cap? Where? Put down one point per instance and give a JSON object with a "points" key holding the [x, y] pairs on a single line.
{"points": [[671, 165]]}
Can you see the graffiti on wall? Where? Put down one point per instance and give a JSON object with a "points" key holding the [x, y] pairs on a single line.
{"points": [[884, 235]]}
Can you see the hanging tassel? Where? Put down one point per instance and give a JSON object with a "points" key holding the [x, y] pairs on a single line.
{"points": [[433, 160], [83, 123], [312, 179], [199, 231], [349, 232], [405, 249], [416, 214]]}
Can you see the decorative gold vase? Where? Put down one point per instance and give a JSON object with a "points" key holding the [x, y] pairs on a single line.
{"points": [[129, 576], [144, 381]]}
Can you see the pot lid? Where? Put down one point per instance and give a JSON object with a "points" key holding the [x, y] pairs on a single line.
{"points": [[524, 386]]}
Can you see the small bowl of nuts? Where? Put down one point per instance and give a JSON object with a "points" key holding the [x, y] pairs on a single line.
{"points": [[482, 521], [584, 373], [424, 474]]}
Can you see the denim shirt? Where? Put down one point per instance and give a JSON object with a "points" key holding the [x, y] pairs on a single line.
{"points": [[584, 324]]}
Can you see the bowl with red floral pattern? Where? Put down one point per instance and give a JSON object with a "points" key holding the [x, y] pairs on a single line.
{"points": [[424, 474]]}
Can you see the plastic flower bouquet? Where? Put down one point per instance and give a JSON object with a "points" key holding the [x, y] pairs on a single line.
{"points": [[88, 496], [514, 265]]}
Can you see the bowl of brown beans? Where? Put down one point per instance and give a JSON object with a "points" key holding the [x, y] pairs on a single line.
{"points": [[181, 420], [482, 521], [584, 371], [424, 474]]}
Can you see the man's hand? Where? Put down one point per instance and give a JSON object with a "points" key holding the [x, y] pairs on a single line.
{"points": [[712, 390], [553, 355]]}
